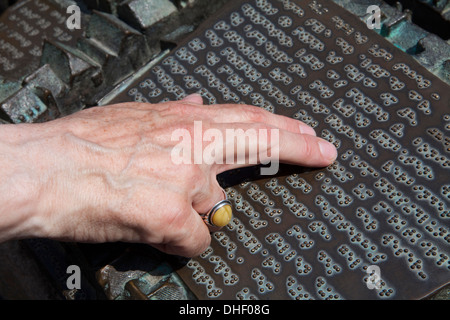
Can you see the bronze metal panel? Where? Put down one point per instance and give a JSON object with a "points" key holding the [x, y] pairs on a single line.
{"points": [[313, 233]]}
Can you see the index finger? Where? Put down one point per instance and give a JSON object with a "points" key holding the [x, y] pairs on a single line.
{"points": [[271, 144], [242, 113]]}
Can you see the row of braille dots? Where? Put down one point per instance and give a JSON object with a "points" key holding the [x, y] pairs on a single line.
{"points": [[214, 39], [325, 291], [247, 49], [283, 247], [137, 95], [305, 117], [339, 125], [264, 285], [266, 7], [398, 129], [275, 213], [175, 66], [224, 240], [423, 104], [421, 217], [400, 175], [333, 74], [385, 140], [336, 218], [363, 192], [409, 114], [272, 264], [184, 54], [431, 153], [364, 167], [391, 192], [422, 193], [353, 260], [303, 268], [245, 236], [419, 167], [331, 268], [191, 83], [244, 206], [295, 290], [310, 59], [298, 208], [302, 237], [321, 229], [327, 135], [197, 45], [441, 232], [422, 82], [439, 136], [324, 90], [298, 182], [385, 291], [217, 83], [446, 118], [378, 52], [370, 223], [412, 235], [291, 6], [379, 72], [309, 39], [240, 64], [348, 110], [280, 76], [432, 251], [266, 23], [339, 171], [245, 294], [354, 74], [149, 85], [393, 219], [399, 250], [341, 196], [318, 27], [201, 277], [230, 278], [367, 104], [397, 222]]}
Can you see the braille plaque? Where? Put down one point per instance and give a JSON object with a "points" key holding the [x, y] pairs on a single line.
{"points": [[375, 223]]}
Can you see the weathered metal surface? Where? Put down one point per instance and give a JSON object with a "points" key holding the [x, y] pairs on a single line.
{"points": [[91, 60], [315, 233], [23, 28], [142, 273], [143, 14]]}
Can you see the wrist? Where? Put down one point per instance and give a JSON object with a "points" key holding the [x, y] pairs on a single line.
{"points": [[19, 190]]}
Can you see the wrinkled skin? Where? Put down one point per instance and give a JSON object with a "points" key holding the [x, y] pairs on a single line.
{"points": [[105, 174]]}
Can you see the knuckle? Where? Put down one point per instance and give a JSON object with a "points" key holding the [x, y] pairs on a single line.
{"points": [[307, 148], [179, 108], [193, 177], [254, 113], [262, 126]]}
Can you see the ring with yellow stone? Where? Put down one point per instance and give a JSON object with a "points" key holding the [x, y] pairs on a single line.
{"points": [[220, 215]]}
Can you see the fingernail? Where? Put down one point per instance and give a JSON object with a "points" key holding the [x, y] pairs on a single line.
{"points": [[328, 150], [305, 129]]}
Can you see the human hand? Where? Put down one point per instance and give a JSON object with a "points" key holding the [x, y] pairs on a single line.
{"points": [[107, 173]]}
